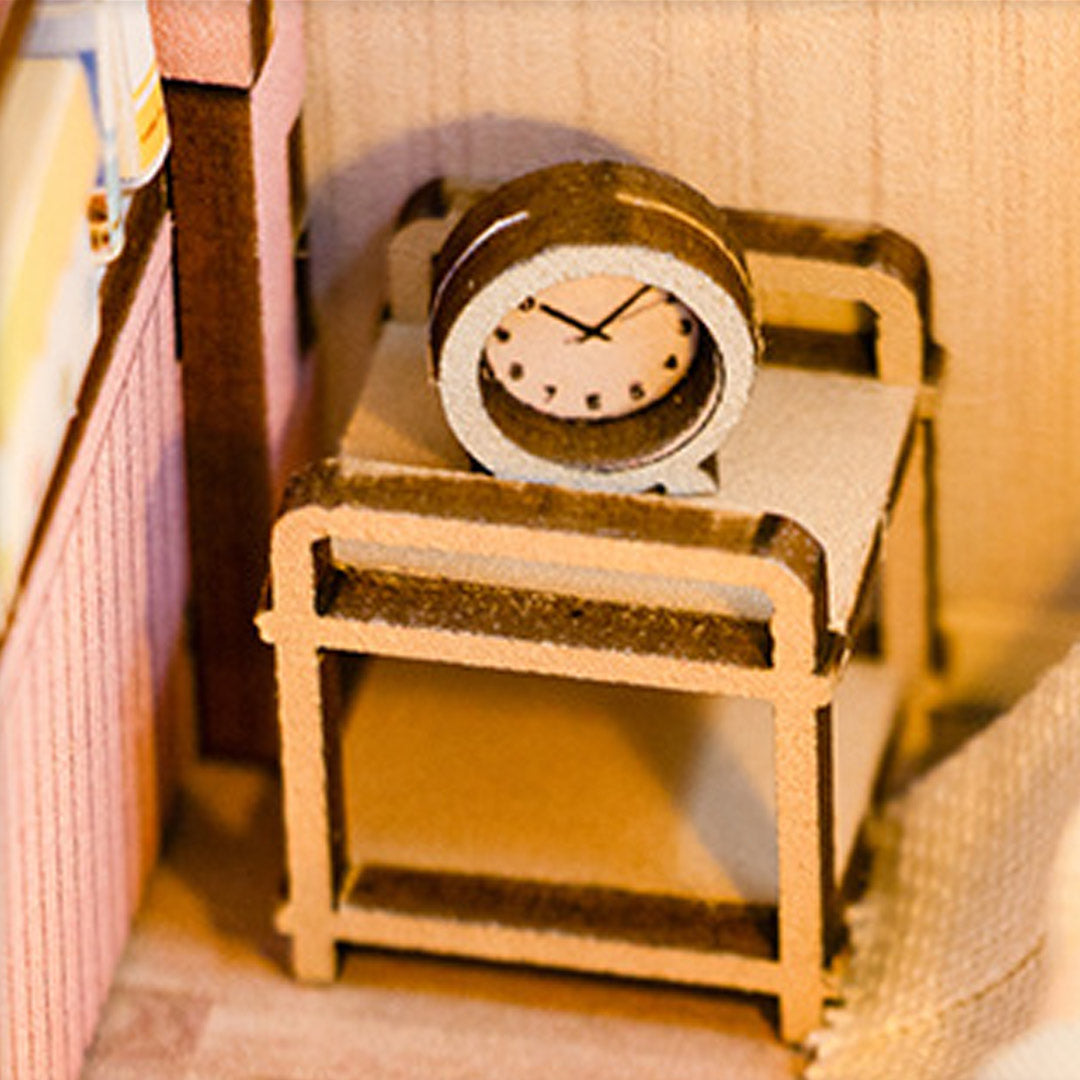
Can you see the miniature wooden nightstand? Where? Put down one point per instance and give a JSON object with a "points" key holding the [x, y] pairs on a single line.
{"points": [[716, 608]]}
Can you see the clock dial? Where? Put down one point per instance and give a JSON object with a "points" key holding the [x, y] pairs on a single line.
{"points": [[593, 348]]}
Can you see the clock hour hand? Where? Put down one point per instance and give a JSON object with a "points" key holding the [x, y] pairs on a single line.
{"points": [[587, 331], [598, 329]]}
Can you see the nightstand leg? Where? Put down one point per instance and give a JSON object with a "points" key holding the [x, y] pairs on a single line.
{"points": [[905, 598], [804, 826], [306, 811]]}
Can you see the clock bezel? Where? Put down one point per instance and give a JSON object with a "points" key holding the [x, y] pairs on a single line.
{"points": [[575, 221]]}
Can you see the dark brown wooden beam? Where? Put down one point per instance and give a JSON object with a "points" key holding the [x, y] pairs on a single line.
{"points": [[230, 484]]}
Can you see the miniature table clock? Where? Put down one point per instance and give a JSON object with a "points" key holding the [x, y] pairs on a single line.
{"points": [[607, 714], [592, 326]]}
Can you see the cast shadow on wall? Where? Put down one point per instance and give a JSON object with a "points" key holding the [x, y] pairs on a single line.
{"points": [[353, 209]]}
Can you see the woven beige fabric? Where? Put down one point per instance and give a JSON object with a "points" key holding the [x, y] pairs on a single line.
{"points": [[949, 946]]}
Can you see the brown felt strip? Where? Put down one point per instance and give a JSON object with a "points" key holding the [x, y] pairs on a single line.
{"points": [[532, 615], [229, 472], [617, 914]]}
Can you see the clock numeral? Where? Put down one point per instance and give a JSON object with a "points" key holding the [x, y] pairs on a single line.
{"points": [[637, 391], [671, 363], [516, 371], [527, 304], [593, 402], [686, 327], [550, 392], [502, 334]]}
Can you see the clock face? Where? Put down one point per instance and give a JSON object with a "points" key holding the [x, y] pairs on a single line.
{"points": [[593, 348]]}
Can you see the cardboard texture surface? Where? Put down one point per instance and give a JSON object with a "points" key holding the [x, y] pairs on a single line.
{"points": [[781, 458], [209, 42], [201, 991], [376, 553], [904, 114], [560, 643], [447, 769]]}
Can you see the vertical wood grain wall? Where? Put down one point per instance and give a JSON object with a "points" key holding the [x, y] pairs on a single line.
{"points": [[956, 124], [89, 701], [247, 386]]}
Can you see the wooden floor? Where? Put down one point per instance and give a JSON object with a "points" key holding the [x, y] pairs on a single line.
{"points": [[202, 992]]}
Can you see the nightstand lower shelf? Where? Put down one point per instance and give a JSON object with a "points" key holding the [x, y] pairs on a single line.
{"points": [[461, 838], [735, 963], [505, 777]]}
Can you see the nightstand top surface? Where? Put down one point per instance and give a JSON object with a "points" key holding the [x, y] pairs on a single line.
{"points": [[824, 450]]}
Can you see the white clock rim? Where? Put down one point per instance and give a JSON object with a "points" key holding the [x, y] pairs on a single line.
{"points": [[459, 363]]}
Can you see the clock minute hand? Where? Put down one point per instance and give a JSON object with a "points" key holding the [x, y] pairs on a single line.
{"points": [[587, 331], [598, 329]]}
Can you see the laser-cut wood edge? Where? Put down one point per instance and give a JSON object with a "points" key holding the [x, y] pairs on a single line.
{"points": [[874, 269], [636, 534], [762, 550]]}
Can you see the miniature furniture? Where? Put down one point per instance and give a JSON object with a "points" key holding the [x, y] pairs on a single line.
{"points": [[727, 621]]}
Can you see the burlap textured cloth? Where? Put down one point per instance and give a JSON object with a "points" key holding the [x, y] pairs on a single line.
{"points": [[950, 943]]}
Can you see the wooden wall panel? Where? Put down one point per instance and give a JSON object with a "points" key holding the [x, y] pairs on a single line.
{"points": [[247, 386], [956, 124], [86, 701]]}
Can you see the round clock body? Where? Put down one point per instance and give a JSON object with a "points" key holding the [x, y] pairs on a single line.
{"points": [[592, 325]]}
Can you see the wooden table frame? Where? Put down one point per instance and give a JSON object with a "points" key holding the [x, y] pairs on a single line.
{"points": [[794, 661]]}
